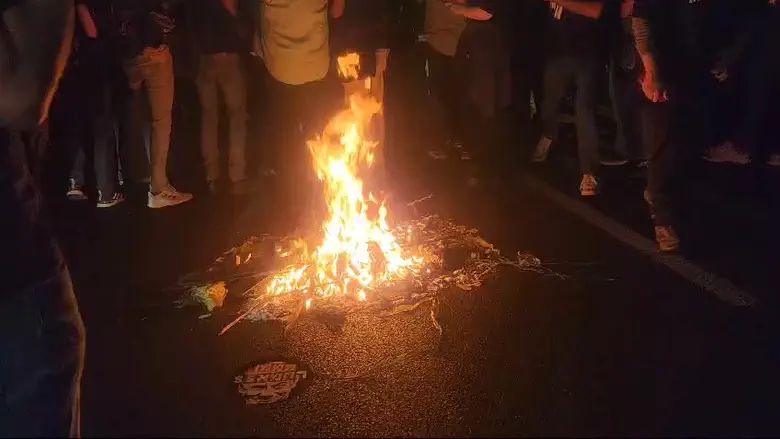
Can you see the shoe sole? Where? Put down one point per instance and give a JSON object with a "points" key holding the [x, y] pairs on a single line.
{"points": [[726, 161], [166, 204], [112, 204], [669, 248]]}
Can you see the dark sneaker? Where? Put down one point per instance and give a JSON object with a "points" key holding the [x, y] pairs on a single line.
{"points": [[667, 239], [542, 150], [112, 201], [773, 160], [612, 159], [639, 164], [614, 162], [75, 193], [726, 152]]}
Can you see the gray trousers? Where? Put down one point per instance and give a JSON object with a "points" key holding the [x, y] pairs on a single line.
{"points": [[223, 73]]}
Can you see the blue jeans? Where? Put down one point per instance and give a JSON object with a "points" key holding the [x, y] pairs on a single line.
{"points": [[625, 106], [41, 360]]}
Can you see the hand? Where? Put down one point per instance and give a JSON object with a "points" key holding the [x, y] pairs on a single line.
{"points": [[653, 89], [720, 71]]}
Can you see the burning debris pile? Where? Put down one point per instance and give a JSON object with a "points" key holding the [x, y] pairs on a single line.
{"points": [[356, 259], [447, 256]]}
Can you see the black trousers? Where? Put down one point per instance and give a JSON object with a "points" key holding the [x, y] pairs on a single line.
{"points": [[761, 90], [82, 126], [675, 134], [558, 76], [443, 85], [300, 114]]}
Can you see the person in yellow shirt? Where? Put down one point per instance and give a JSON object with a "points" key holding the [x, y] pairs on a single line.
{"points": [[293, 41]]}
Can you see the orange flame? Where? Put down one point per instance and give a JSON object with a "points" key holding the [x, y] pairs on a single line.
{"points": [[358, 251]]}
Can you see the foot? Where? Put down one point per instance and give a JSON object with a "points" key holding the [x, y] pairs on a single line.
{"points": [[640, 163], [167, 197], [542, 150], [726, 152], [774, 160], [589, 186], [111, 201], [667, 239], [75, 192], [613, 159]]}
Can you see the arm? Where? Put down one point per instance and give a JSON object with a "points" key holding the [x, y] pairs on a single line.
{"points": [[588, 9], [337, 8], [86, 20], [41, 33], [230, 6], [470, 12], [643, 39]]}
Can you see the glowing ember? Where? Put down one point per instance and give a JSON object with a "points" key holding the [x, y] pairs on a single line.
{"points": [[357, 251]]}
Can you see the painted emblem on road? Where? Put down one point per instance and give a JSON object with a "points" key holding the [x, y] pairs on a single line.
{"points": [[270, 382]]}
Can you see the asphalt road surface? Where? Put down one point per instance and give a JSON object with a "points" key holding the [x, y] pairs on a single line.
{"points": [[628, 344]]}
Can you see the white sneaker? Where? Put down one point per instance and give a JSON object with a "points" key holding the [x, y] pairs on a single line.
{"points": [[542, 150], [589, 186], [168, 197]]}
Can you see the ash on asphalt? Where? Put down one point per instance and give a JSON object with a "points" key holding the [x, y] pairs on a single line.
{"points": [[621, 347]]}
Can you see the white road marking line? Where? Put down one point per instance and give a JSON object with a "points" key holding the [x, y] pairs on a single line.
{"points": [[722, 288]]}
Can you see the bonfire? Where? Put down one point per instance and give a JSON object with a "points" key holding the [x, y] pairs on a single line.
{"points": [[356, 251], [357, 257]]}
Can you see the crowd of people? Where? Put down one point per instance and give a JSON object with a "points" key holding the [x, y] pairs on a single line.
{"points": [[676, 69]]}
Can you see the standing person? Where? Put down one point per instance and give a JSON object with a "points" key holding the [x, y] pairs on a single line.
{"points": [[623, 65], [673, 71], [293, 42], [442, 32], [483, 58], [41, 331], [100, 72], [149, 67], [763, 87], [574, 52], [752, 60], [215, 29]]}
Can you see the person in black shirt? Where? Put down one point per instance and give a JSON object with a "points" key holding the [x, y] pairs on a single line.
{"points": [[84, 112], [574, 52], [623, 63], [41, 331], [752, 62], [672, 77], [215, 29], [483, 63]]}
